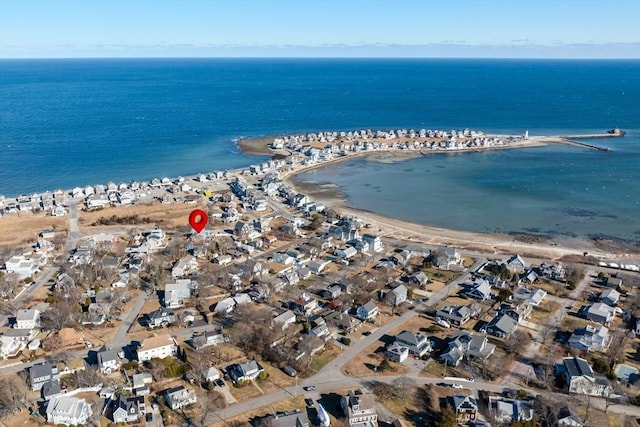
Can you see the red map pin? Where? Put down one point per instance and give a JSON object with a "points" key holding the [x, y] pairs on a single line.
{"points": [[198, 220]]}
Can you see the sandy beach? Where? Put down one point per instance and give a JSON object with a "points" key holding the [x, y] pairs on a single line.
{"points": [[499, 244]]}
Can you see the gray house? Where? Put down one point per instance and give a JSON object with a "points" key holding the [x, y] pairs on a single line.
{"points": [[502, 326], [396, 296], [42, 373]]}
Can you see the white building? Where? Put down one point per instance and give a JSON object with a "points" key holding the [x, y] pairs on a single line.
{"points": [[157, 347], [68, 410], [28, 319]]}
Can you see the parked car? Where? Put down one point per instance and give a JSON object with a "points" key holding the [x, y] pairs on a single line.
{"points": [[456, 385], [219, 382], [309, 402], [309, 388], [149, 417], [290, 371]]}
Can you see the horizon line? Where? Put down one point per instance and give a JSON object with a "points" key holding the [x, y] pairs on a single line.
{"points": [[525, 58]]}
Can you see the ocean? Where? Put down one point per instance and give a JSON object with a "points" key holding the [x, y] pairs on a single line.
{"points": [[65, 123]]}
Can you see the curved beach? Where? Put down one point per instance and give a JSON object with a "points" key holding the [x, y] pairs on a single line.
{"points": [[523, 243]]}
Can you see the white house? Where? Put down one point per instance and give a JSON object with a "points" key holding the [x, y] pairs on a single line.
{"points": [[179, 397], [245, 371], [397, 352], [368, 311], [590, 338], [176, 293], [127, 409], [157, 347], [184, 267], [417, 343], [283, 320], [28, 319], [375, 242], [580, 378], [108, 361], [68, 410]]}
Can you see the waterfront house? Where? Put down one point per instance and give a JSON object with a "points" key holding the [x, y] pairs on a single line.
{"points": [[445, 257], [67, 410], [516, 264], [590, 338], [359, 408], [179, 397], [465, 408], [580, 379], [367, 311], [157, 347], [375, 242], [127, 409], [417, 343]]}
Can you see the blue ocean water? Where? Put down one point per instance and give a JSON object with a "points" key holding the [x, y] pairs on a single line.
{"points": [[75, 122]]}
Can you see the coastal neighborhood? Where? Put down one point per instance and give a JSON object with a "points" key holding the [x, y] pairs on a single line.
{"points": [[288, 311]]}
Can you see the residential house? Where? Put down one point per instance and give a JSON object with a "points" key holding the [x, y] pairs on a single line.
{"points": [[210, 374], [360, 409], [342, 321], [127, 409], [284, 319], [347, 252], [553, 271], [175, 294], [68, 410], [420, 278], [317, 266], [516, 264], [367, 311], [108, 361], [375, 242], [396, 296], [517, 311], [42, 373], [159, 347], [600, 313], [28, 319], [184, 267], [304, 305], [465, 408], [613, 282], [464, 343], [397, 352], [179, 397], [580, 378], [208, 338], [332, 291], [417, 343], [246, 371], [590, 338], [297, 418], [161, 317], [533, 296], [610, 297], [457, 314], [502, 326], [507, 411], [568, 417], [445, 257], [480, 290]]}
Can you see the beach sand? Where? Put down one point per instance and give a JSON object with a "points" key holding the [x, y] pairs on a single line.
{"points": [[499, 244]]}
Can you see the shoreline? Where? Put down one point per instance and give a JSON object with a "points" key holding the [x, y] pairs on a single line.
{"points": [[517, 242]]}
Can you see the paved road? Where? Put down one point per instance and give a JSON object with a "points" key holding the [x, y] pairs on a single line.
{"points": [[520, 370], [120, 338]]}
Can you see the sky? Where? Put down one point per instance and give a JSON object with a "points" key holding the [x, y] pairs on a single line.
{"points": [[320, 28]]}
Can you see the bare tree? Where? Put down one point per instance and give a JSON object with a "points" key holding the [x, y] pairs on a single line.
{"points": [[87, 377], [402, 387], [517, 342], [209, 403], [59, 315], [12, 396], [546, 332]]}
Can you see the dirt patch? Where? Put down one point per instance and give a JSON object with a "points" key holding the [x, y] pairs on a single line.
{"points": [[25, 227]]}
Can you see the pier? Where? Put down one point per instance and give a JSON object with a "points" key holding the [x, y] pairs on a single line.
{"points": [[571, 139]]}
